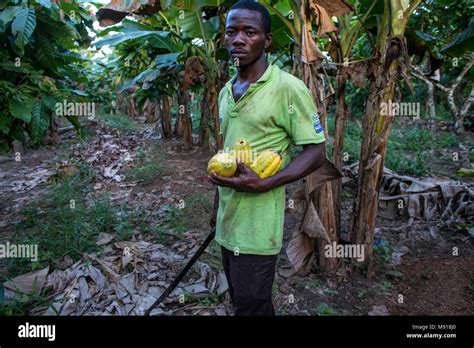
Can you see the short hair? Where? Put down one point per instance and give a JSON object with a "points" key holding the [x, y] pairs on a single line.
{"points": [[255, 6]]}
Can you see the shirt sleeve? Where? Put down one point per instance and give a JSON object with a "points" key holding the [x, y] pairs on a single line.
{"points": [[303, 125]]}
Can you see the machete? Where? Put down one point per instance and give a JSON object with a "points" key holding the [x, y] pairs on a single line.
{"points": [[185, 270]]}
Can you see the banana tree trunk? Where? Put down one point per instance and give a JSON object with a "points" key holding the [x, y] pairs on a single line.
{"points": [[383, 75], [180, 119], [376, 129], [149, 110], [205, 117], [166, 118], [322, 197], [158, 118], [184, 124], [213, 96], [338, 146]]}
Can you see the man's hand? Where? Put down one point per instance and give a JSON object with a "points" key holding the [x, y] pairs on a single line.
{"points": [[247, 181]]}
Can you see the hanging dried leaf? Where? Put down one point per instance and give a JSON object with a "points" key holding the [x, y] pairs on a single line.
{"points": [[310, 50], [325, 24], [300, 249], [357, 73], [335, 7], [300, 252], [117, 10], [193, 73], [312, 225], [327, 172], [323, 10]]}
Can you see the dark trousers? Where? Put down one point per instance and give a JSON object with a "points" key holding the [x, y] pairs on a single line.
{"points": [[250, 279]]}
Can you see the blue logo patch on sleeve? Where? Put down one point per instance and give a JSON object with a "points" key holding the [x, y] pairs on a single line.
{"points": [[317, 124]]}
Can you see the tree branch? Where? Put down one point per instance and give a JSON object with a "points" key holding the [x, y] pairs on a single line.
{"points": [[463, 72], [467, 104], [418, 74]]}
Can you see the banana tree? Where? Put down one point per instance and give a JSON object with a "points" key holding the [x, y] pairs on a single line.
{"points": [[192, 25], [184, 33], [299, 19], [390, 62], [350, 29], [149, 55]]}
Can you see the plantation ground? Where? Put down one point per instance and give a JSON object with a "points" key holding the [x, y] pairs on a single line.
{"points": [[148, 180]]}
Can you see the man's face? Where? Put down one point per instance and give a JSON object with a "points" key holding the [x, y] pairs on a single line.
{"points": [[245, 37]]}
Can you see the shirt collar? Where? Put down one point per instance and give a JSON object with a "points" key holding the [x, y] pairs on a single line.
{"points": [[266, 75]]}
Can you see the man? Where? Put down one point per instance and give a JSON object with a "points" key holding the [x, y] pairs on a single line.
{"points": [[269, 108]]}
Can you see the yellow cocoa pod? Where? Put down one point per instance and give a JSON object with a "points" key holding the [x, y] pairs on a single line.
{"points": [[267, 163], [223, 164], [243, 151]]}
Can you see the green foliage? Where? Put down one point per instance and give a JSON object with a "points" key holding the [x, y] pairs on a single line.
{"points": [[383, 251], [66, 222], [174, 220], [147, 172], [118, 121], [387, 285], [23, 26], [39, 65], [365, 293], [324, 309]]}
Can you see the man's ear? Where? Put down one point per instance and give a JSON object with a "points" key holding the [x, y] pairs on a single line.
{"points": [[268, 40]]}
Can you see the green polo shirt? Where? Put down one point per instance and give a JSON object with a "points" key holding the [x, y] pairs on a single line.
{"points": [[274, 111]]}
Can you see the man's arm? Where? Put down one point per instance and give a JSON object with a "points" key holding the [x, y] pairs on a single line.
{"points": [[310, 159]]}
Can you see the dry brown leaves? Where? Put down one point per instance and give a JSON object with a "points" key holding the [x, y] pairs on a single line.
{"points": [[125, 280], [323, 10]]}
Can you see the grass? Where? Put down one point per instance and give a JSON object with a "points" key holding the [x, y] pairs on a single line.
{"points": [[324, 309], [65, 221], [411, 151], [118, 121], [148, 167], [387, 285], [146, 172], [173, 220], [315, 284], [364, 293]]}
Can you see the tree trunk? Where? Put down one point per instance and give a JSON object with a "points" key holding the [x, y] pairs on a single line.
{"points": [[431, 103], [158, 118], [376, 130], [223, 76], [322, 197], [341, 117], [215, 115], [166, 118], [149, 111], [383, 74], [178, 127], [185, 124], [204, 131]]}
